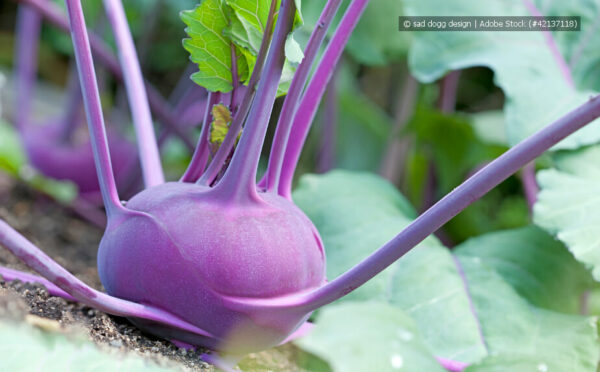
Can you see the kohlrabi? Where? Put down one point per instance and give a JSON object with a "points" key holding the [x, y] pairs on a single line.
{"points": [[218, 259], [52, 147]]}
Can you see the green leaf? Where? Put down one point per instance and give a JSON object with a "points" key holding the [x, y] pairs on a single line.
{"points": [[25, 348], [530, 260], [489, 127], [215, 26], [568, 204], [12, 154], [293, 50], [362, 124], [368, 337], [537, 92], [13, 160], [463, 307], [511, 326], [209, 47], [375, 40]]}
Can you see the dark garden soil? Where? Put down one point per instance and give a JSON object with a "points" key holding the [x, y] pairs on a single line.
{"points": [[72, 242]]}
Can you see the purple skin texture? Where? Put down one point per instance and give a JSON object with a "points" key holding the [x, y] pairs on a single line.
{"points": [[45, 145], [229, 267]]}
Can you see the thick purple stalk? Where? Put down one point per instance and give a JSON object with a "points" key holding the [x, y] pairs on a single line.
{"points": [[554, 50], [136, 92], [291, 103], [57, 275], [93, 108], [28, 23], [239, 181], [240, 115], [310, 101], [326, 159], [397, 147], [102, 52], [200, 157], [453, 203], [448, 90]]}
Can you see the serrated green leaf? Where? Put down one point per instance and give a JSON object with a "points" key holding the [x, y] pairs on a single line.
{"points": [[210, 48], [537, 91], [24, 348], [568, 204], [215, 26], [358, 337]]}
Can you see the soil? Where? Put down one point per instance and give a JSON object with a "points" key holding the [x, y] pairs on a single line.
{"points": [[73, 243]]}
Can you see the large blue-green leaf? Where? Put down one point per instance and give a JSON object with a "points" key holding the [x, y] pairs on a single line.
{"points": [[536, 88], [463, 307], [369, 336], [539, 267], [511, 327], [568, 204], [356, 213]]}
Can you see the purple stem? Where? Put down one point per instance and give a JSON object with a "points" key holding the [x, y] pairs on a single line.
{"points": [[57, 275], [93, 108], [28, 32], [310, 101], [71, 117], [239, 181], [291, 103], [448, 89], [234, 75], [326, 159], [238, 119], [453, 203], [200, 157], [136, 92], [161, 108], [395, 154], [530, 185], [558, 57], [9, 275]]}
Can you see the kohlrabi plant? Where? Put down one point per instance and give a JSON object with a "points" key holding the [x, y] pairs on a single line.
{"points": [[52, 147], [222, 258]]}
